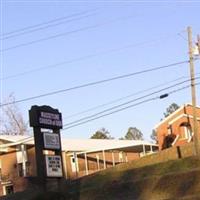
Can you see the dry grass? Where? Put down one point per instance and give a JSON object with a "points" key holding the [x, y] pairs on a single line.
{"points": [[179, 179]]}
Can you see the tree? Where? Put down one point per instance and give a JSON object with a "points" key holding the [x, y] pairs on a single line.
{"points": [[101, 134], [154, 136], [173, 107], [133, 134], [12, 120]]}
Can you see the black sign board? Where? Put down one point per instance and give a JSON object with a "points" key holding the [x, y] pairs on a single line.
{"points": [[45, 117]]}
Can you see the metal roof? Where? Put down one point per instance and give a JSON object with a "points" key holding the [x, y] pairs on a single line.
{"points": [[79, 145]]}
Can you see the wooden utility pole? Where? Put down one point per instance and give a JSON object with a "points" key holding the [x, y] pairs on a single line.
{"points": [[195, 125], [198, 43]]}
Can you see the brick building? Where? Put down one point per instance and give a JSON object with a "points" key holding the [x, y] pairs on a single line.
{"points": [[80, 158], [177, 128]]}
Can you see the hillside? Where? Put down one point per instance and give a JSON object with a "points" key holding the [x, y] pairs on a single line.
{"points": [[178, 179]]}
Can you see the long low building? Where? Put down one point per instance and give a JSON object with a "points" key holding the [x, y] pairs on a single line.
{"points": [[81, 157]]}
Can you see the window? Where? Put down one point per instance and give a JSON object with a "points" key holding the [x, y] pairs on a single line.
{"points": [[185, 131], [21, 171], [8, 189], [188, 132]]}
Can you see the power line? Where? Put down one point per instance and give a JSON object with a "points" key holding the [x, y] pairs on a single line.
{"points": [[81, 58], [45, 23], [97, 82], [122, 98], [128, 102], [66, 33], [107, 114], [125, 108], [46, 27]]}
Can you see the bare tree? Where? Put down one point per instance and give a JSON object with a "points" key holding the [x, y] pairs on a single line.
{"points": [[12, 121], [153, 136]]}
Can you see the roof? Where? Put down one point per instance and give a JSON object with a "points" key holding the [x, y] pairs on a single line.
{"points": [[12, 138], [89, 145], [79, 145], [171, 115]]}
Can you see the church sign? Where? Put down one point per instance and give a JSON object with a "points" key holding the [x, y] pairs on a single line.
{"points": [[45, 117]]}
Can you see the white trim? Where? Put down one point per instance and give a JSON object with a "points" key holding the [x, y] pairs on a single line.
{"points": [[186, 132], [3, 149], [7, 185], [116, 148], [82, 145], [4, 190], [104, 160], [98, 165], [144, 150], [74, 162], [45, 152], [16, 143], [167, 118], [189, 140], [177, 118], [180, 116], [174, 142], [24, 159], [171, 115]]}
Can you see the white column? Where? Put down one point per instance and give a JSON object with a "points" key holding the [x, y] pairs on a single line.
{"points": [[75, 162], [86, 164], [113, 158], [151, 149], [98, 166], [23, 159], [104, 160], [144, 152]]}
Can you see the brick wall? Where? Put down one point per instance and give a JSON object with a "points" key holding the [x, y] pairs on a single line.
{"points": [[175, 120], [172, 153]]}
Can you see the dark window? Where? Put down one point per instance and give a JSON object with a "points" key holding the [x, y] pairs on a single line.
{"points": [[20, 169], [9, 189]]}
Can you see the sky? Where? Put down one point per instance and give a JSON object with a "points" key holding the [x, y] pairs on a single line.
{"points": [[48, 46]]}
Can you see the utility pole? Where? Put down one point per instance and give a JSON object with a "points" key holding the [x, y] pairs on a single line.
{"points": [[193, 92], [198, 43]]}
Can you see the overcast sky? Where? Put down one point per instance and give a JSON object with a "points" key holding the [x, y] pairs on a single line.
{"points": [[47, 46]]}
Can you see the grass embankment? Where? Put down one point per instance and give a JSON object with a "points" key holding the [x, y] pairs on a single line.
{"points": [[179, 179]]}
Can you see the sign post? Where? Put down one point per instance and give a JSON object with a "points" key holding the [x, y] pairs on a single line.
{"points": [[48, 166]]}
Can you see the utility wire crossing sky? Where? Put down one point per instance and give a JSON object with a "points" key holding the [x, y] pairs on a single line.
{"points": [[101, 53]]}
